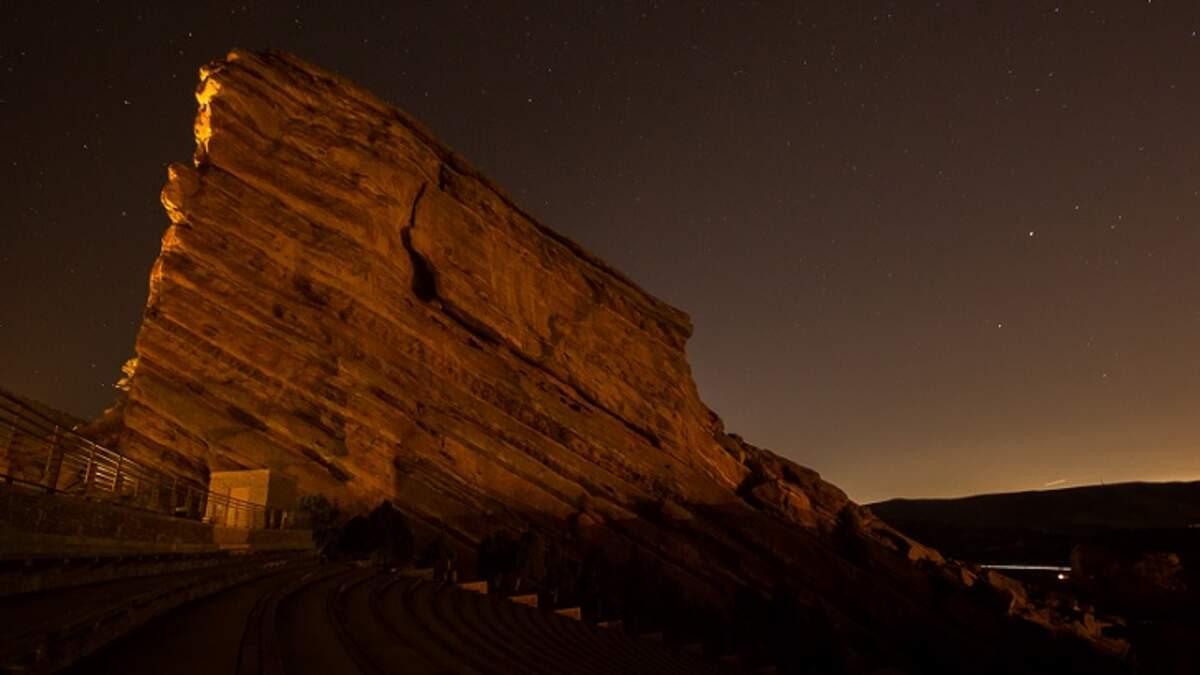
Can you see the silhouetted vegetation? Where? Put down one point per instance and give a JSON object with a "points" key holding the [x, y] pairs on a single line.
{"points": [[355, 540], [776, 628], [636, 591], [322, 516], [439, 557], [390, 535], [512, 564], [530, 563], [383, 535]]}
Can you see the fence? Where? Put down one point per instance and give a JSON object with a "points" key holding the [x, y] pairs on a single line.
{"points": [[39, 452]]}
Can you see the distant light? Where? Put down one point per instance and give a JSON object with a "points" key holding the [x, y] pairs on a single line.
{"points": [[1031, 233], [1061, 576], [1065, 569]]}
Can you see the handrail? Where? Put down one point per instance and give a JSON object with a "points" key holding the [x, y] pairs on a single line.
{"points": [[48, 424], [41, 452]]}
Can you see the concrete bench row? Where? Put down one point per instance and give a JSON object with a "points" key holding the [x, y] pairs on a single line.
{"points": [[77, 621]]}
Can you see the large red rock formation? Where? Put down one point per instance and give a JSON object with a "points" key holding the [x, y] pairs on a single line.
{"points": [[341, 297]]}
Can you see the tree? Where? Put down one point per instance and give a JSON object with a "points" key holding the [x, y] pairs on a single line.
{"points": [[356, 540], [530, 561], [595, 585], [561, 581], [498, 559], [438, 556], [390, 537], [322, 516], [511, 563]]}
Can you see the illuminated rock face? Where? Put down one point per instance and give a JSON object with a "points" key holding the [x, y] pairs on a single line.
{"points": [[341, 298]]}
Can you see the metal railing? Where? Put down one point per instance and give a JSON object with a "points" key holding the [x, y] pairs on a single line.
{"points": [[39, 452]]}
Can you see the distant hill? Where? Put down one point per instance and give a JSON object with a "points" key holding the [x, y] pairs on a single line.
{"points": [[1042, 526], [1089, 508]]}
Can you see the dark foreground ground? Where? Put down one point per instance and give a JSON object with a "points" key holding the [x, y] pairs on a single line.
{"points": [[347, 619]]}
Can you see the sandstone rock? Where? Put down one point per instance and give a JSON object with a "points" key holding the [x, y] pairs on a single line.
{"points": [[342, 298], [1010, 589], [784, 500]]}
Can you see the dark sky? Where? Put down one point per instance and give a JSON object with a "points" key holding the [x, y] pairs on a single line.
{"points": [[928, 250]]}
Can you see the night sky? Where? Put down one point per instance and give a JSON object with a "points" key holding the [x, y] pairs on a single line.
{"points": [[927, 252]]}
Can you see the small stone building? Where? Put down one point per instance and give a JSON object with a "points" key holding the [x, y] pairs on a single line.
{"points": [[254, 498]]}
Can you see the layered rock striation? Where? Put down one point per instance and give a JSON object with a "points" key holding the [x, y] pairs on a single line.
{"points": [[341, 297]]}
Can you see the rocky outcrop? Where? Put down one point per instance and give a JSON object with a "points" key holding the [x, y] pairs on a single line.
{"points": [[342, 298], [1147, 582]]}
